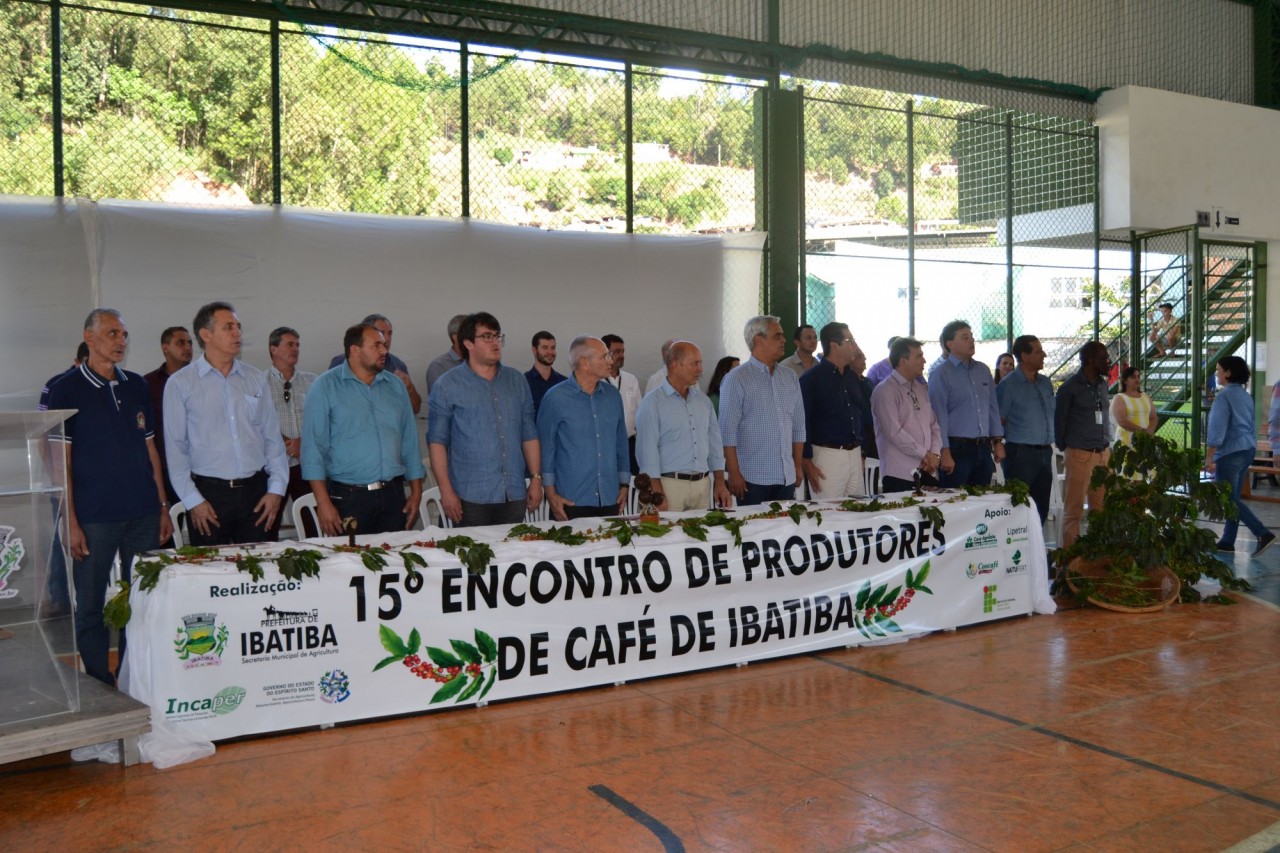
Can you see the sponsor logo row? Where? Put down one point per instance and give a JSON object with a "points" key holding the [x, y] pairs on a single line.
{"points": [[333, 686]]}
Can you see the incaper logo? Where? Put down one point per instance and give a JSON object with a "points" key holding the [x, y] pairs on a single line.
{"points": [[11, 552], [223, 702]]}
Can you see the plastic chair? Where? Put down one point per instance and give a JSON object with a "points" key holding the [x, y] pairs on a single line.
{"points": [[178, 515], [306, 522], [431, 509], [1053, 519], [871, 477]]}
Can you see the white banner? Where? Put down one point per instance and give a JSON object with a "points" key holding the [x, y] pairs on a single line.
{"points": [[219, 655]]}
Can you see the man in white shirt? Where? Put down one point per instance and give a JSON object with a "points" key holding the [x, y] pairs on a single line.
{"points": [[629, 387], [222, 435]]}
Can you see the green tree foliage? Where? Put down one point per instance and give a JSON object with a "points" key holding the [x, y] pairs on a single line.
{"points": [[355, 129], [151, 94]]}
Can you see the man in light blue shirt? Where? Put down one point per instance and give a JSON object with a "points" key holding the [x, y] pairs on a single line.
{"points": [[1026, 409], [762, 419], [678, 437], [583, 432], [962, 393], [222, 438], [482, 434], [359, 444]]}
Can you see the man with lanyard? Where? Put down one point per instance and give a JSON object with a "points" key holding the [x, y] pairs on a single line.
{"points": [[115, 489], [289, 388], [226, 455], [910, 441], [833, 408], [481, 432], [762, 419], [678, 437], [585, 470], [359, 443], [629, 387], [1081, 422], [963, 395], [1026, 409]]}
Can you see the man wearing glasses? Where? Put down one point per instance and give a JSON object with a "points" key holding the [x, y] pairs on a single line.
{"points": [[833, 408], [481, 432], [908, 436], [289, 387]]}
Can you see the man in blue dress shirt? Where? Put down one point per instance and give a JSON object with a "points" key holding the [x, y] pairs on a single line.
{"points": [[222, 438], [482, 434], [833, 416], [1026, 408], [395, 366], [963, 395], [678, 437], [115, 487], [359, 443], [762, 419], [585, 465]]}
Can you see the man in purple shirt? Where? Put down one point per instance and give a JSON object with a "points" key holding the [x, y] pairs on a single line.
{"points": [[909, 438], [880, 371]]}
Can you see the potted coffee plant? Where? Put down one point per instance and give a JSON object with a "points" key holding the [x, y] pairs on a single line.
{"points": [[1144, 550]]}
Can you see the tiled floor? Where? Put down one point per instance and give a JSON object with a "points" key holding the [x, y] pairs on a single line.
{"points": [[1087, 729]]}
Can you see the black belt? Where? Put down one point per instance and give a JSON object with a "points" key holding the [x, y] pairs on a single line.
{"points": [[1032, 446], [238, 483], [1102, 449], [366, 487], [692, 478], [965, 442], [853, 446]]}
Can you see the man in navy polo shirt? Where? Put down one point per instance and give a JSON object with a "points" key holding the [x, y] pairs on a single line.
{"points": [[115, 487]]}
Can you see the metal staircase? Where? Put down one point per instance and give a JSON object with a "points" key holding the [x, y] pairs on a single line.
{"points": [[1217, 306], [1225, 325]]}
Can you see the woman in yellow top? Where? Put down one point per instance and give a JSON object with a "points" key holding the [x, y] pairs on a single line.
{"points": [[1132, 409]]}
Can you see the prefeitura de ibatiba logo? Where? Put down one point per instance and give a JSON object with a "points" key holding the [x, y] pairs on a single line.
{"points": [[200, 640], [11, 552], [460, 673]]}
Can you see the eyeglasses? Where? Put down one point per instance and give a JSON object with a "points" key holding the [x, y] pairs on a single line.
{"points": [[288, 390], [915, 401], [490, 337]]}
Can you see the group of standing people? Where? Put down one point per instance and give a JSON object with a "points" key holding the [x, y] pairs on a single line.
{"points": [[231, 442]]}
